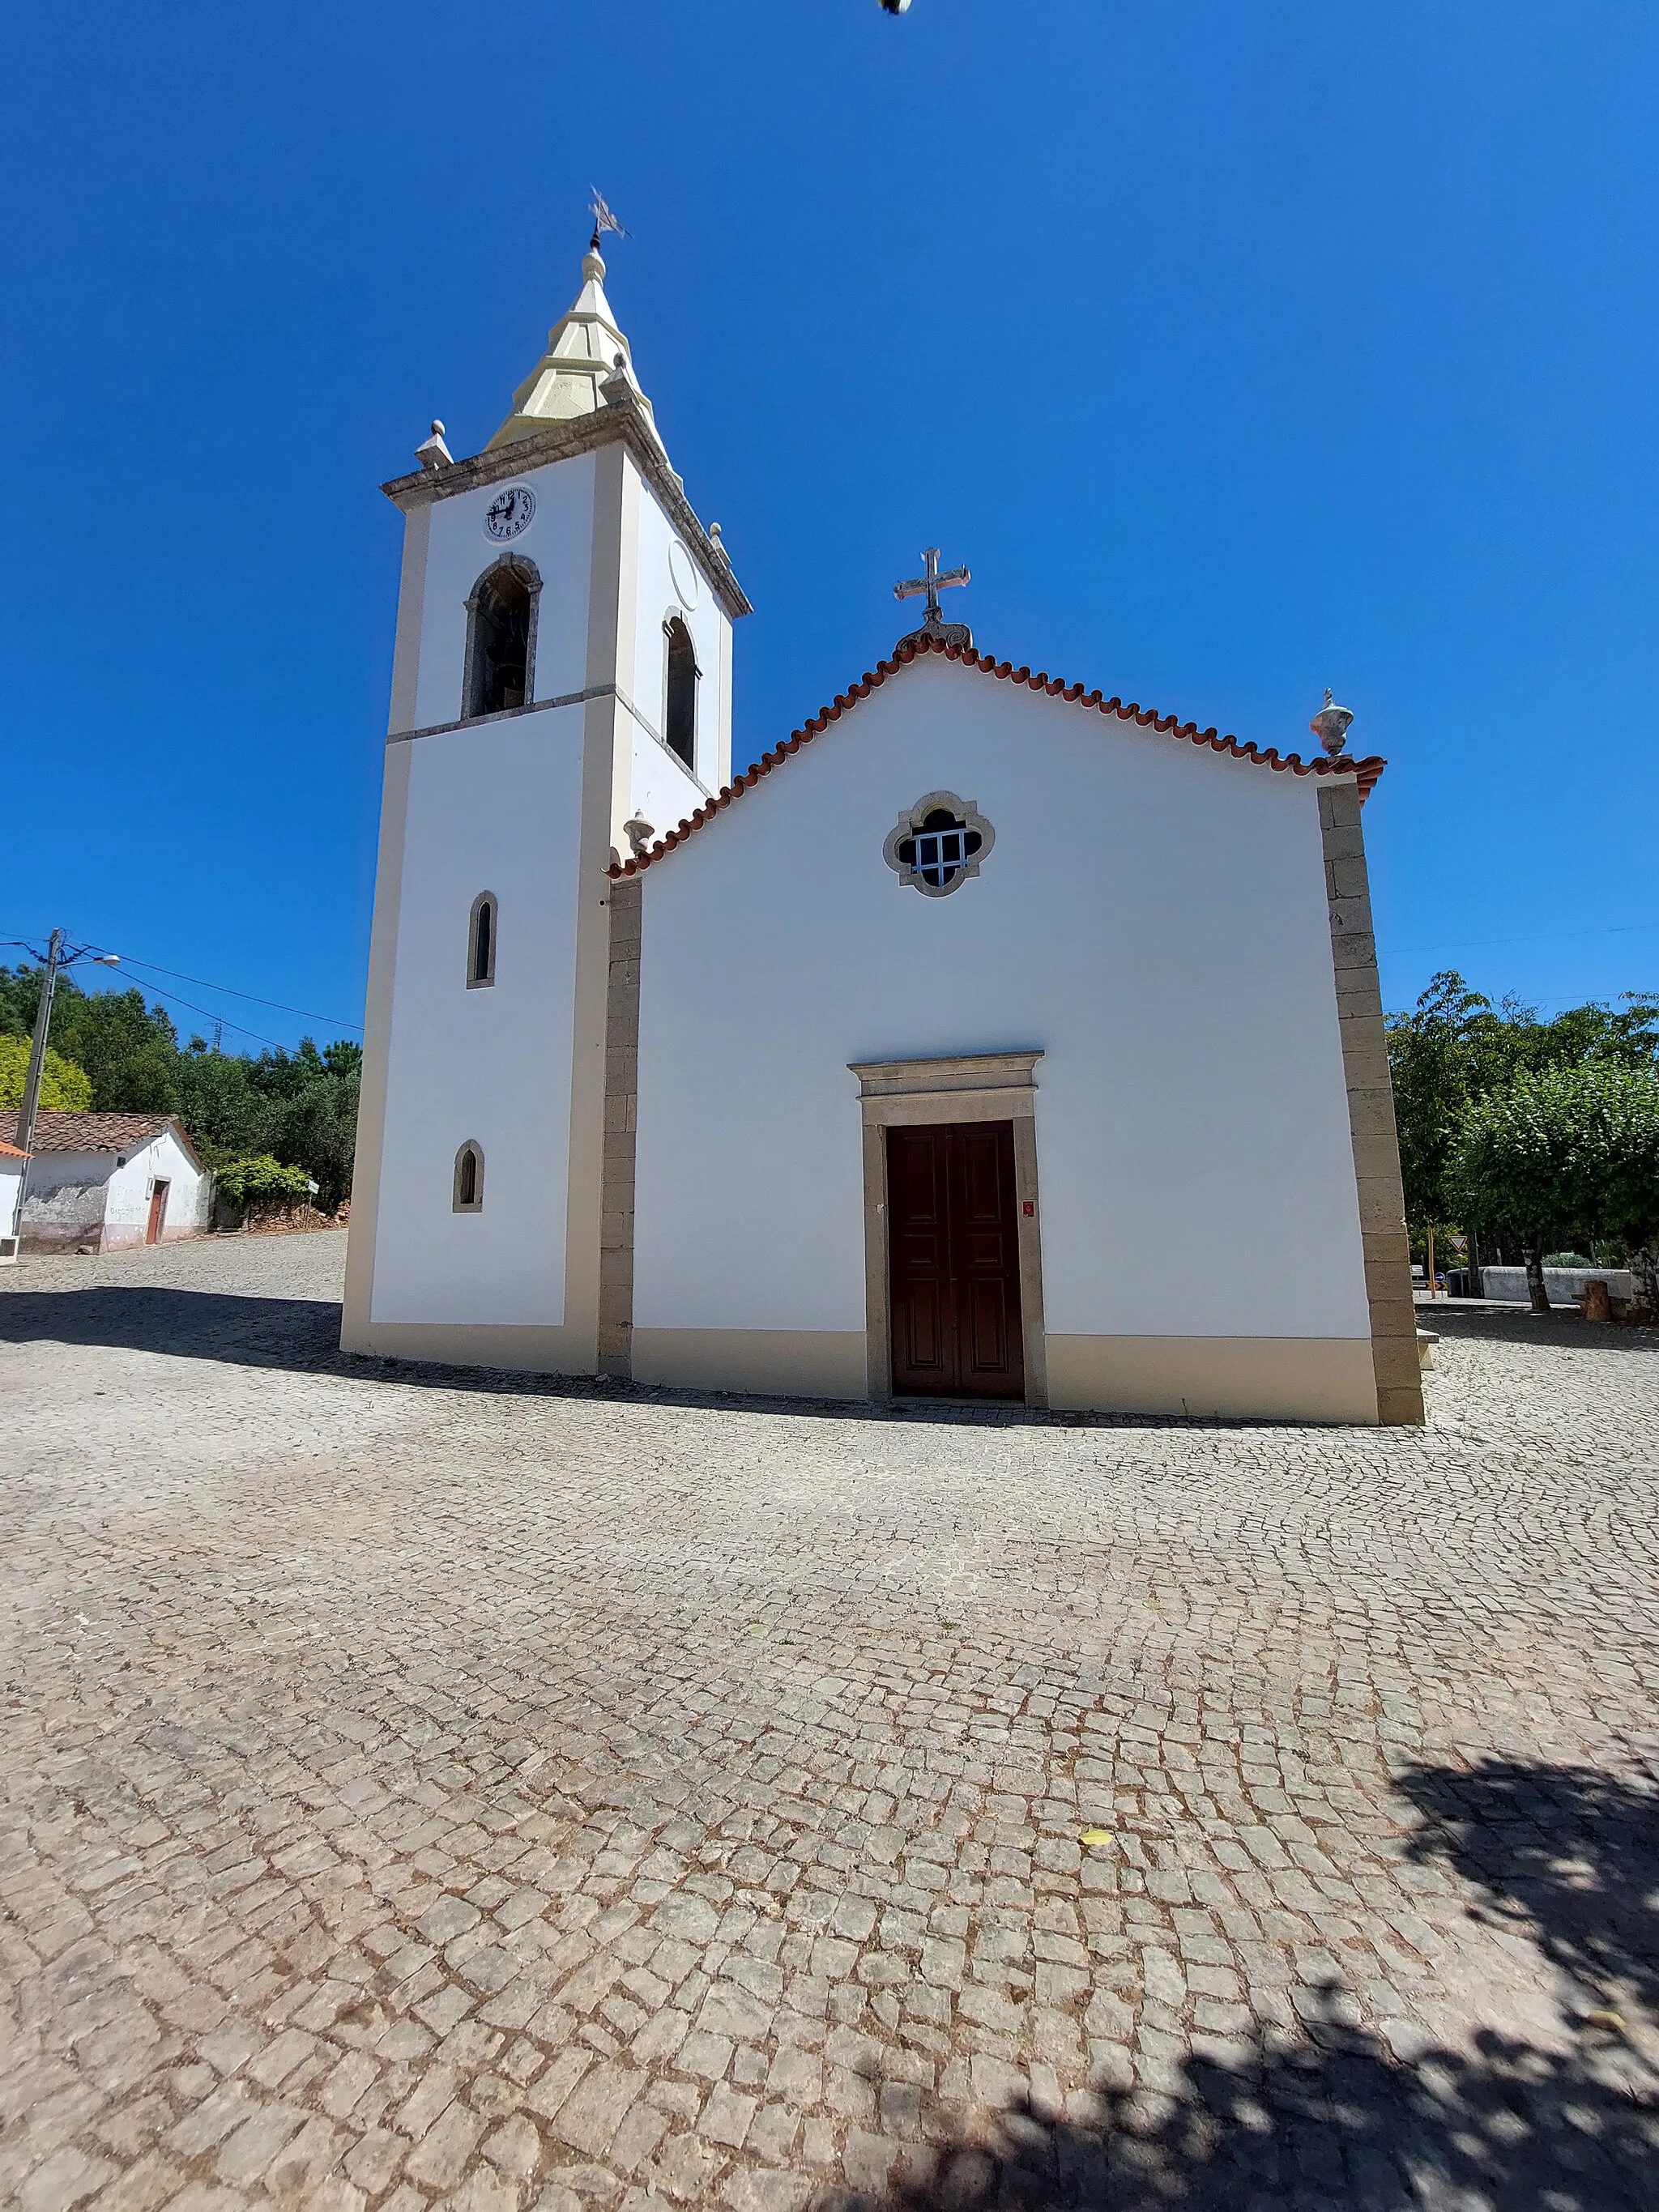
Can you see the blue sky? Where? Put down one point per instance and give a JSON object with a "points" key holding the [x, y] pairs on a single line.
{"points": [[1238, 350]]}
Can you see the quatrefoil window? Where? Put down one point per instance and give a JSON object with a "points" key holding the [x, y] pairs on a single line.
{"points": [[938, 843]]}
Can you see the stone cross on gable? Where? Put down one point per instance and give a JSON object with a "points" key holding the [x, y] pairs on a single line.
{"points": [[932, 583]]}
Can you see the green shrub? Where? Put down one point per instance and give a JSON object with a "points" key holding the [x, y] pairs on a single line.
{"points": [[262, 1180]]}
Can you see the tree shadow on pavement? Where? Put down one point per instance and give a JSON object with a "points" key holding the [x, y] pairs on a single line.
{"points": [[1562, 1328], [1565, 1854], [1339, 2116], [1334, 2121]]}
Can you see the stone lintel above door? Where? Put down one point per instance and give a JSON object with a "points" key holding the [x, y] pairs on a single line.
{"points": [[986, 1086]]}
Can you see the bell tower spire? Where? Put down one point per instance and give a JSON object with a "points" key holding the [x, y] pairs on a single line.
{"points": [[585, 348]]}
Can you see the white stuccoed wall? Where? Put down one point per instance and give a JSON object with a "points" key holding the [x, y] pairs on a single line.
{"points": [[1153, 918], [492, 807], [663, 793], [657, 598], [11, 1172], [559, 541]]}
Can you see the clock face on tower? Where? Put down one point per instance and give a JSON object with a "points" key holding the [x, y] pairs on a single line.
{"points": [[510, 511]]}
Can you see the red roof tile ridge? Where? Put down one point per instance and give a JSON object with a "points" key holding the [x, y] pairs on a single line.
{"points": [[58, 1129], [1365, 771]]}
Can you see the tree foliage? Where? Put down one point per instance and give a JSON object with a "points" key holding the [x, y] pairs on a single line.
{"points": [[1457, 1049], [299, 1107], [1561, 1149], [65, 1088]]}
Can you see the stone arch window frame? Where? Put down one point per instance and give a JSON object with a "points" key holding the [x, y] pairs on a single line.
{"points": [[470, 670], [909, 826], [485, 900], [472, 1151], [674, 619]]}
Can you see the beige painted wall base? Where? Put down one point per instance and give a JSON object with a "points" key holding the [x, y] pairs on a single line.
{"points": [[532, 1351], [774, 1363], [1326, 1379], [1274, 1378]]}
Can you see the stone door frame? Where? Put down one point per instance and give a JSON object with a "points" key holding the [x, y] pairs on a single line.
{"points": [[992, 1086]]}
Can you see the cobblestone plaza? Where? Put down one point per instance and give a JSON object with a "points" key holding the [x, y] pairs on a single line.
{"points": [[428, 1789]]}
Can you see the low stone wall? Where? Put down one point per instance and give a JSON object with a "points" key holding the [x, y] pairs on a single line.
{"points": [[1565, 1286]]}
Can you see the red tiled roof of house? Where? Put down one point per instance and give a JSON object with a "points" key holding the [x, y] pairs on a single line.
{"points": [[56, 1132], [1366, 771]]}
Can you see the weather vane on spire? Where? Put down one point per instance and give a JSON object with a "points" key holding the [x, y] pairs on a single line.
{"points": [[603, 220], [934, 582]]}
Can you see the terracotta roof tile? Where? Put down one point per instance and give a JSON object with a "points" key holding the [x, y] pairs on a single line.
{"points": [[11, 1152], [1366, 771], [89, 1132]]}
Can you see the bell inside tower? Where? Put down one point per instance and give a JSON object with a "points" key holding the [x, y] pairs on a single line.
{"points": [[499, 660]]}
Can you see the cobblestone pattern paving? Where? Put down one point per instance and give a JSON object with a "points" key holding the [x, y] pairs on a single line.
{"points": [[423, 1792]]}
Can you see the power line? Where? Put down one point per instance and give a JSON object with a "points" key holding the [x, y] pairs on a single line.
{"points": [[171, 999], [306, 1013], [154, 968], [168, 999]]}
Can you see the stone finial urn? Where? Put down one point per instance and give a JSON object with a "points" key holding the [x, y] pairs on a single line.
{"points": [[1330, 724]]}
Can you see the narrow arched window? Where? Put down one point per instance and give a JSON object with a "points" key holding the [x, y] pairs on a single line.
{"points": [[469, 1179], [481, 942], [501, 638], [680, 699]]}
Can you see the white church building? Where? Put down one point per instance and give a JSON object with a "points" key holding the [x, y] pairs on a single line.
{"points": [[987, 1038]]}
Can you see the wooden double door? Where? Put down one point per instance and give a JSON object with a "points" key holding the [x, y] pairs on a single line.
{"points": [[953, 1261]]}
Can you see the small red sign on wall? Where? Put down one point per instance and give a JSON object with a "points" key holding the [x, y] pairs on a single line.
{"points": [[1027, 1206]]}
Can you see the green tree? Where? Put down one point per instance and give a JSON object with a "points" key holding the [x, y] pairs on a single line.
{"points": [[1456, 1048], [64, 1087], [318, 1126], [308, 1100], [1627, 1135], [130, 1050], [1433, 1067], [225, 1115], [1557, 1150], [20, 995]]}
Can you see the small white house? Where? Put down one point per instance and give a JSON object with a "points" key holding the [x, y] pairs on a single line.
{"points": [[104, 1182]]}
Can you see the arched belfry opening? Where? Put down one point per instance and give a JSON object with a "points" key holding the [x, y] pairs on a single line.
{"points": [[680, 701], [501, 637]]}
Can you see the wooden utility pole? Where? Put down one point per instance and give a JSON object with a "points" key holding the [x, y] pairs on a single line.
{"points": [[38, 1045], [32, 1082]]}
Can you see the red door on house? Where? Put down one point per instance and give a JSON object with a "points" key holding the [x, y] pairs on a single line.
{"points": [[953, 1261], [158, 1213]]}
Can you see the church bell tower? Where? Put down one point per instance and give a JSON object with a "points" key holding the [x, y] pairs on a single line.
{"points": [[562, 685]]}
